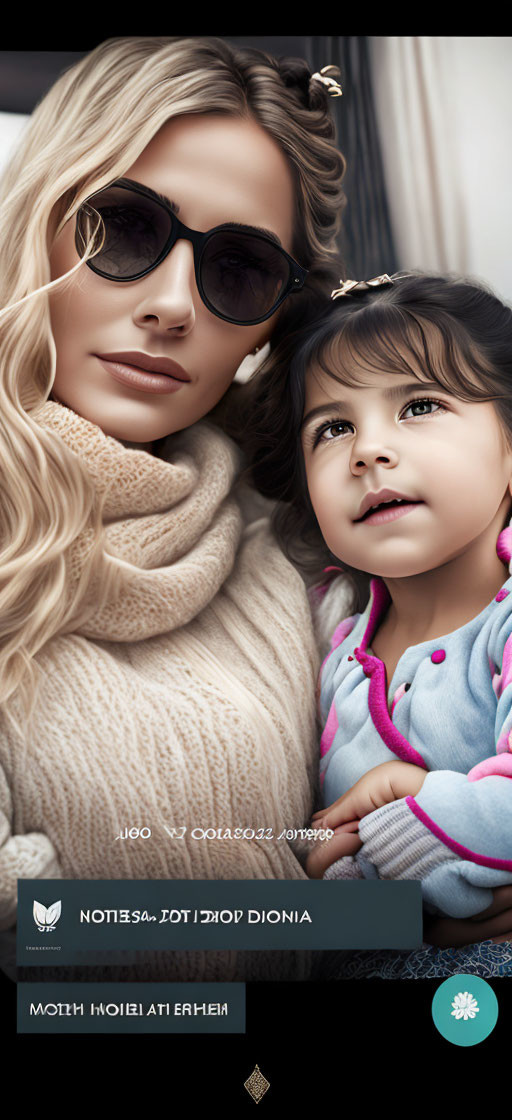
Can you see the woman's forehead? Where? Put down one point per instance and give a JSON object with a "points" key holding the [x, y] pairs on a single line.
{"points": [[220, 168]]}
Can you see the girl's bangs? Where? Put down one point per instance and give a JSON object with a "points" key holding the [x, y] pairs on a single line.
{"points": [[385, 338]]}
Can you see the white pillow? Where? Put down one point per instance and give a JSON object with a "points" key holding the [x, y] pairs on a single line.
{"points": [[11, 126]]}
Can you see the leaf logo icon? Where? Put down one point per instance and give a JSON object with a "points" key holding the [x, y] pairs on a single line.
{"points": [[46, 919], [53, 913], [39, 914]]}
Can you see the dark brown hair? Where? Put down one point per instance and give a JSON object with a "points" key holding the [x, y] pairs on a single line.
{"points": [[452, 331]]}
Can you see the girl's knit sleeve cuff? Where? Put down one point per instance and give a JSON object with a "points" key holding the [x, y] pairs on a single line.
{"points": [[398, 845]]}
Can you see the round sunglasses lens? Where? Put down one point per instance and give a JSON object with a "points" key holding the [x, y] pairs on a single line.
{"points": [[242, 275], [135, 231]]}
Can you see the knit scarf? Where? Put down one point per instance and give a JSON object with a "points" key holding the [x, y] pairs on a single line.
{"points": [[209, 721], [171, 527]]}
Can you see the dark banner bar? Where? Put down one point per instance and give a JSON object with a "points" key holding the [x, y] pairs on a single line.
{"points": [[59, 919], [131, 1008]]}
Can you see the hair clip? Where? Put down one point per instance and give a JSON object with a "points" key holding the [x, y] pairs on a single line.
{"points": [[333, 87], [349, 287]]}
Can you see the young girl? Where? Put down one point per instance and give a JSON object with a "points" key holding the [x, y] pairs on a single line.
{"points": [[398, 408]]}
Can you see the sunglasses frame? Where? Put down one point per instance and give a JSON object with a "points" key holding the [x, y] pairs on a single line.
{"points": [[179, 231]]}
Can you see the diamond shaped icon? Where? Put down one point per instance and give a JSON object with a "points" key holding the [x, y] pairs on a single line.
{"points": [[257, 1084]]}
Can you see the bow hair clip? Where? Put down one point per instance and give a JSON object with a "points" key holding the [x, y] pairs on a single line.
{"points": [[333, 87], [351, 287]]}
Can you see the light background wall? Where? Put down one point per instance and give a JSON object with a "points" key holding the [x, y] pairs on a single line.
{"points": [[11, 125], [444, 113]]}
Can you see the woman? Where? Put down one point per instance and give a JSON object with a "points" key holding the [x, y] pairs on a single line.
{"points": [[148, 634]]}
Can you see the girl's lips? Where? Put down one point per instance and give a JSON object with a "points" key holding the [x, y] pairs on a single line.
{"points": [[136, 378], [382, 516]]}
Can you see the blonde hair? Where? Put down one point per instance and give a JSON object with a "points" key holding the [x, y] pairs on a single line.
{"points": [[86, 132]]}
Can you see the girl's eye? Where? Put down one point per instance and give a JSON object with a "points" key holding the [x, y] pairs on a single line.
{"points": [[421, 408], [325, 433], [337, 429]]}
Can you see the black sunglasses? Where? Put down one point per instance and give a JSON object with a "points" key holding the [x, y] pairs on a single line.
{"points": [[242, 277]]}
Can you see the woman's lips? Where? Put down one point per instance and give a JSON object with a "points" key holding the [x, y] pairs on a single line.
{"points": [[136, 378], [381, 516]]}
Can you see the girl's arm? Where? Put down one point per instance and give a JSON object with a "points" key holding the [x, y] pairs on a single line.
{"points": [[455, 834], [382, 784]]}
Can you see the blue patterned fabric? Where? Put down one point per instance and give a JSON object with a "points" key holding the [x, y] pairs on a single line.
{"points": [[483, 959]]}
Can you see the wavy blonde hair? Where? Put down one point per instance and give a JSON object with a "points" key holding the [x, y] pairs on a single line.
{"points": [[86, 132]]}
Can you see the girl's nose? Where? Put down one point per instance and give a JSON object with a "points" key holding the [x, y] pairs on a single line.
{"points": [[168, 295], [368, 452]]}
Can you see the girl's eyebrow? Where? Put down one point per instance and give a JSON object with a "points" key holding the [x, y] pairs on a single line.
{"points": [[394, 393]]}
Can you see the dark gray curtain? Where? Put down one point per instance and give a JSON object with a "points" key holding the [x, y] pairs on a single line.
{"points": [[366, 243], [25, 76]]}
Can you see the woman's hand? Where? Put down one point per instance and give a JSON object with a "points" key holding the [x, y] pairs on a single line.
{"points": [[492, 924], [384, 783]]}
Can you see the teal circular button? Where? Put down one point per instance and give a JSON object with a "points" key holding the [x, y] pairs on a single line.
{"points": [[465, 1009]]}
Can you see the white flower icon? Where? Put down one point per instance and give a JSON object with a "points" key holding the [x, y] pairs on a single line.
{"points": [[465, 1006]]}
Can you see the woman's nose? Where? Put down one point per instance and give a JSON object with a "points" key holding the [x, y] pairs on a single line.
{"points": [[168, 294], [371, 450]]}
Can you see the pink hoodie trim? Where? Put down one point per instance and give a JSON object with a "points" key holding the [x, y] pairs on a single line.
{"points": [[375, 669], [504, 545], [464, 853], [501, 680], [381, 599], [377, 703], [500, 765], [343, 629], [504, 744], [401, 690], [329, 730]]}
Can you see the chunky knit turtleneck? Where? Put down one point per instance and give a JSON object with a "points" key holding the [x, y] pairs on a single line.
{"points": [[171, 524], [188, 700]]}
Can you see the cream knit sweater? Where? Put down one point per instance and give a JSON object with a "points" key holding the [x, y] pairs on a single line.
{"points": [[188, 700]]}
